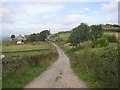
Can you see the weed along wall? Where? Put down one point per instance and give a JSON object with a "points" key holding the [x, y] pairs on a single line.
{"points": [[98, 67], [11, 65], [20, 68], [95, 61], [102, 64]]}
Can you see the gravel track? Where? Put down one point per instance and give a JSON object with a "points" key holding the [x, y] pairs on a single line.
{"points": [[59, 75]]}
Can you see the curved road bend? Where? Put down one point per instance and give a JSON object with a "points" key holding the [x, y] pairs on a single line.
{"points": [[59, 75]]}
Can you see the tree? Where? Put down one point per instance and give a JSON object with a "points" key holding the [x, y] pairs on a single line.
{"points": [[79, 34], [12, 37], [96, 32], [39, 36], [84, 32], [74, 39], [43, 35], [33, 37], [115, 25]]}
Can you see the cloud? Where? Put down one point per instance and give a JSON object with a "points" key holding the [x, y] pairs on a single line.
{"points": [[3, 13], [110, 7], [86, 9], [37, 8], [12, 12], [49, 17], [26, 18], [70, 19]]}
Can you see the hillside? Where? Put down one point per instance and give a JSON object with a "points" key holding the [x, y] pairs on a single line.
{"points": [[95, 62]]}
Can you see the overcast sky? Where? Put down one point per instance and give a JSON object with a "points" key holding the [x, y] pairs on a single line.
{"points": [[33, 17]]}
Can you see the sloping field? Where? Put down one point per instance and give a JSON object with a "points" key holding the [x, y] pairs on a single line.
{"points": [[26, 47]]}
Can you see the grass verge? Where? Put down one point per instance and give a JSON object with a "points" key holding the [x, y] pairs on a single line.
{"points": [[26, 74], [96, 66]]}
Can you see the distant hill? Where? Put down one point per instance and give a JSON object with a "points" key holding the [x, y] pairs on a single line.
{"points": [[5, 38]]}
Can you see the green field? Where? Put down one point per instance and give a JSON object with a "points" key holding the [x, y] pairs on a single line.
{"points": [[26, 47], [31, 49], [64, 36], [19, 65], [109, 33], [60, 37]]}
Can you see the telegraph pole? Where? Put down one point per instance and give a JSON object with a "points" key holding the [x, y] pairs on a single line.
{"points": [[49, 42]]}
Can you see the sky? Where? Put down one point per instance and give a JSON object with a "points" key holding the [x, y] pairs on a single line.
{"points": [[33, 17]]}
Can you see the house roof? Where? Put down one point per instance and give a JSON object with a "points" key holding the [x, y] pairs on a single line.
{"points": [[20, 37]]}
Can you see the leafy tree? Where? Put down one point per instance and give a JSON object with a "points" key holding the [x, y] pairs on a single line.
{"points": [[39, 36], [12, 37], [96, 32], [84, 32], [79, 34], [115, 25], [43, 35], [74, 39], [33, 37], [101, 42]]}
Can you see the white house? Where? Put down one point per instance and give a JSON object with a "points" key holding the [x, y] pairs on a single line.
{"points": [[2, 56], [19, 42], [20, 39]]}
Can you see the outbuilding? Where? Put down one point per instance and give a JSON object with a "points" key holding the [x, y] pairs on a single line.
{"points": [[19, 42]]}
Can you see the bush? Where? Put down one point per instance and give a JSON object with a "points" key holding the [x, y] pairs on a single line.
{"points": [[58, 39], [102, 63], [19, 77], [96, 66], [111, 38], [12, 64], [101, 42], [86, 44]]}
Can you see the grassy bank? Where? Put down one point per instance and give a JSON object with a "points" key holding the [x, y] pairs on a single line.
{"points": [[22, 63], [98, 67], [26, 47], [26, 74], [29, 49]]}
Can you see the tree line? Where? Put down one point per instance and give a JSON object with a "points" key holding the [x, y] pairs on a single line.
{"points": [[84, 33], [36, 36], [39, 36]]}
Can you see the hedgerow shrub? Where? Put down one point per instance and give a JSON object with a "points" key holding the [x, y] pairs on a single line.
{"points": [[59, 39], [12, 64], [111, 38], [102, 63], [101, 42], [87, 44]]}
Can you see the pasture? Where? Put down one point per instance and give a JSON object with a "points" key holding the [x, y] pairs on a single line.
{"points": [[26, 47], [64, 36], [36, 48], [60, 37], [26, 62]]}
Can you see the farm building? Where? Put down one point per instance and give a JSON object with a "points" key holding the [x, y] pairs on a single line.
{"points": [[20, 39], [19, 42]]}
